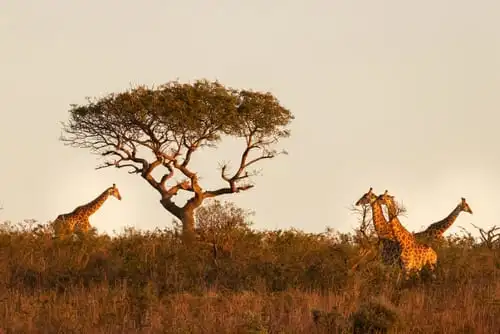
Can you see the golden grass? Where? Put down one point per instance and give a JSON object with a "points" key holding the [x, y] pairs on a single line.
{"points": [[267, 282]]}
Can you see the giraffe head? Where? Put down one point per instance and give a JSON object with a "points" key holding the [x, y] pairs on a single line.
{"points": [[464, 206], [367, 198], [386, 199], [113, 191]]}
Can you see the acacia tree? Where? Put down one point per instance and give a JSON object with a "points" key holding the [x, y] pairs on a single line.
{"points": [[143, 129]]}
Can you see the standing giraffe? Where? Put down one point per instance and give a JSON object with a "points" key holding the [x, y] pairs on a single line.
{"points": [[390, 247], [435, 231], [78, 219], [414, 255]]}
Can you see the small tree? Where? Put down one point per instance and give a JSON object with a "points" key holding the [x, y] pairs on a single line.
{"points": [[145, 128], [222, 224], [489, 237], [366, 230]]}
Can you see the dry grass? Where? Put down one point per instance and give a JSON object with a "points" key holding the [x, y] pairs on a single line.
{"points": [[263, 282]]}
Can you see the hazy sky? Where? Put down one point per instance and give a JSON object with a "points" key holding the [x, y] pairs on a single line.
{"points": [[397, 95]]}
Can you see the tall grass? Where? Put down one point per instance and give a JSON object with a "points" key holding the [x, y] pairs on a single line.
{"points": [[249, 282]]}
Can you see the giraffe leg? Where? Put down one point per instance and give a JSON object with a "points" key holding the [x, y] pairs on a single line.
{"points": [[399, 277], [86, 226], [61, 226], [80, 229], [433, 270], [408, 274]]}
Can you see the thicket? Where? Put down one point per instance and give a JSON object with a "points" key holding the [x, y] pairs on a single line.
{"points": [[236, 279]]}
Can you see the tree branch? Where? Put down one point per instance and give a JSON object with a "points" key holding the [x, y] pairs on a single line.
{"points": [[490, 236], [166, 176], [242, 172], [223, 191], [135, 169], [184, 185]]}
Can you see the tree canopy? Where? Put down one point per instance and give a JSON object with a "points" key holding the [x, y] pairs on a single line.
{"points": [[172, 122]]}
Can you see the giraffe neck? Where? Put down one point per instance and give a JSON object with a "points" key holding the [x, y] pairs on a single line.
{"points": [[380, 223], [391, 209], [91, 207], [401, 234], [438, 228]]}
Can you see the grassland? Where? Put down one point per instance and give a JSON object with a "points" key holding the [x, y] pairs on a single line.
{"points": [[237, 280]]}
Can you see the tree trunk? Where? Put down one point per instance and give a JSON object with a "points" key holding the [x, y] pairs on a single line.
{"points": [[187, 219], [185, 214]]}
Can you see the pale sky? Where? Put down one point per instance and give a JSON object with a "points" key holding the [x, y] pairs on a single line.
{"points": [[398, 95]]}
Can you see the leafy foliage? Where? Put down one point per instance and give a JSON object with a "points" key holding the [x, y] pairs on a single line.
{"points": [[144, 128]]}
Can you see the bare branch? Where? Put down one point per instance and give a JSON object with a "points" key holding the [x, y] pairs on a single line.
{"points": [[489, 237], [183, 169], [153, 165], [135, 169], [223, 191], [364, 232], [166, 176], [264, 156], [184, 185], [242, 172], [189, 153]]}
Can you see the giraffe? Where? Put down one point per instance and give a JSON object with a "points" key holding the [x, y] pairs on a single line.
{"points": [[414, 255], [390, 248], [78, 219], [436, 230]]}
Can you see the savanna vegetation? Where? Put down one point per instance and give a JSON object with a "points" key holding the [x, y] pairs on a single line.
{"points": [[238, 280], [212, 272]]}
